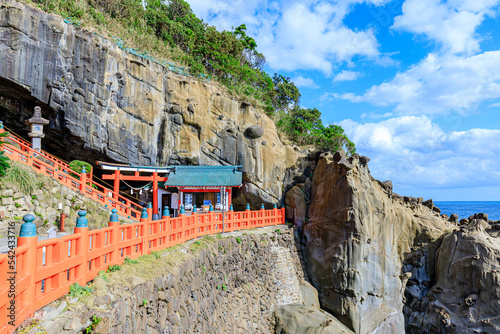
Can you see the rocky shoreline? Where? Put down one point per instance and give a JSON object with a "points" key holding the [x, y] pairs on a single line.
{"points": [[385, 263]]}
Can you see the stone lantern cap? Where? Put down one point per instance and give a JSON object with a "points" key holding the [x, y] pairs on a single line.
{"points": [[37, 117]]}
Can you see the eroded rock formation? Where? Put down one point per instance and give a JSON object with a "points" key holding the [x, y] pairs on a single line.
{"points": [[106, 103], [356, 238], [465, 295]]}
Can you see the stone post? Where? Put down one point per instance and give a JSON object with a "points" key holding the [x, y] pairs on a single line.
{"points": [[36, 133]]}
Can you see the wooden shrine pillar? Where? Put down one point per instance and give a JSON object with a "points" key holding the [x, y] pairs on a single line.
{"points": [[155, 194], [116, 187]]}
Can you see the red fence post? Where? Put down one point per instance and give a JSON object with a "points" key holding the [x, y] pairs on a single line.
{"points": [[114, 238], [262, 215], [182, 223], [195, 223], [231, 218], [82, 247], [27, 236], [83, 180], [248, 215], [145, 231], [166, 216], [61, 224]]}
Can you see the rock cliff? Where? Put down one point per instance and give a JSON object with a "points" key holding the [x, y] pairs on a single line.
{"points": [[106, 103], [465, 294], [356, 239]]}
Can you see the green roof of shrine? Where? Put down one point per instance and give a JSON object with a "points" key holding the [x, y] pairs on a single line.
{"points": [[204, 176]]}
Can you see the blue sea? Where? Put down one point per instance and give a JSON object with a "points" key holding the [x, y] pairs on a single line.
{"points": [[465, 209]]}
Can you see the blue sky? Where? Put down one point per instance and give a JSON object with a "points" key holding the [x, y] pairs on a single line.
{"points": [[415, 83]]}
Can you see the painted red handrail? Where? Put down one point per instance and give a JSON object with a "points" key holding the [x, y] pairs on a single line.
{"points": [[78, 258], [61, 171]]}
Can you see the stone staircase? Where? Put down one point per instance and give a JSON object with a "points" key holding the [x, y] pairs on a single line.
{"points": [[287, 281]]}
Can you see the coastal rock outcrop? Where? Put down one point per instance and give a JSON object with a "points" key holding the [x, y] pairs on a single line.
{"points": [[108, 104], [295, 204], [464, 297], [356, 239]]}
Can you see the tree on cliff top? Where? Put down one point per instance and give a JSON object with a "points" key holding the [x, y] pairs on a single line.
{"points": [[304, 126]]}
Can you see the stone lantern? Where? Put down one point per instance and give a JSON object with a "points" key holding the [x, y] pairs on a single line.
{"points": [[36, 133]]}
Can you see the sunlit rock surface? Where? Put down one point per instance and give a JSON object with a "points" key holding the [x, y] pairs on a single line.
{"points": [[106, 103], [356, 238]]}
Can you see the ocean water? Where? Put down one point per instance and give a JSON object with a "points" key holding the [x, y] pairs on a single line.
{"points": [[465, 209]]}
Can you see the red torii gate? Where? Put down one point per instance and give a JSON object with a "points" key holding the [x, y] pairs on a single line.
{"points": [[118, 176]]}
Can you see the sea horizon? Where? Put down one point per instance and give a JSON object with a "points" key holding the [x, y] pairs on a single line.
{"points": [[467, 208]]}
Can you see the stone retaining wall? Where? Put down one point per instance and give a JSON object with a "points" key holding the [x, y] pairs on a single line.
{"points": [[229, 287]]}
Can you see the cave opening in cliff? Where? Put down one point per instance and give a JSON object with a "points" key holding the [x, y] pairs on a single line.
{"points": [[17, 105]]}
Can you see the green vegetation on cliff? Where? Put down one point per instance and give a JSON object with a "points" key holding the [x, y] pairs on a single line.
{"points": [[4, 161], [169, 29]]}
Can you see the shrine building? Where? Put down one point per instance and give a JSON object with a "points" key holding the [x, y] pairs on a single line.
{"points": [[173, 186]]}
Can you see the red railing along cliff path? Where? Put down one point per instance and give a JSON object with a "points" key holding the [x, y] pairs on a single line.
{"points": [[36, 273]]}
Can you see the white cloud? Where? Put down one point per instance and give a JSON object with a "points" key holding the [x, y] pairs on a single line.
{"points": [[451, 24], [296, 35], [346, 76], [438, 85], [414, 152], [300, 81]]}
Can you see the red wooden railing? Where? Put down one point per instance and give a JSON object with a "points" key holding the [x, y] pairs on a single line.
{"points": [[42, 162], [45, 270]]}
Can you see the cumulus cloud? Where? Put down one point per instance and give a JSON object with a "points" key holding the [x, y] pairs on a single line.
{"points": [[300, 81], [415, 152], [452, 24], [346, 76], [296, 35], [438, 85]]}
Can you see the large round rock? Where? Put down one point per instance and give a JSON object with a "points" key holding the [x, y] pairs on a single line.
{"points": [[254, 132]]}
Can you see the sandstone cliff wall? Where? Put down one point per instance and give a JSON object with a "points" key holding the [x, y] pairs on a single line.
{"points": [[356, 239], [106, 103]]}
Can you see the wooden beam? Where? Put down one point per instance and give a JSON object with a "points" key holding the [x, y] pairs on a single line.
{"points": [[134, 178]]}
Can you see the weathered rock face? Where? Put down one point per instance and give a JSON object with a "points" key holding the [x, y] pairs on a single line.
{"points": [[465, 295], [295, 204], [299, 319], [355, 241], [108, 104]]}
